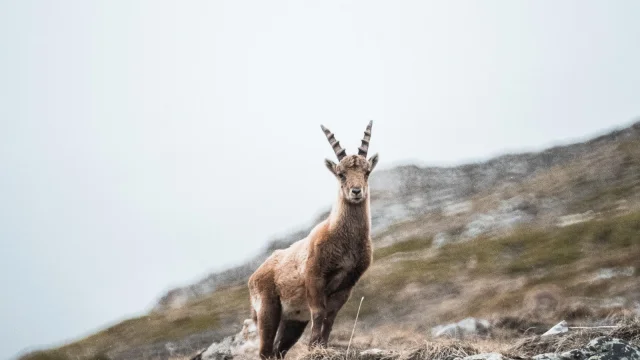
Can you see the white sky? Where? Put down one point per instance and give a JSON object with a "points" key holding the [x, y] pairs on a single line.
{"points": [[144, 144]]}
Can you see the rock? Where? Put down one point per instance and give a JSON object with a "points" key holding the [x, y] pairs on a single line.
{"points": [[464, 328], [576, 354], [548, 356], [244, 343], [474, 326], [608, 348], [601, 348], [485, 356], [558, 328]]}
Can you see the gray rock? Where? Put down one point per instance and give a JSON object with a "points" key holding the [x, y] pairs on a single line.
{"points": [[218, 351], [468, 327], [576, 354], [549, 356], [602, 348], [558, 328], [608, 348], [244, 343], [474, 326]]}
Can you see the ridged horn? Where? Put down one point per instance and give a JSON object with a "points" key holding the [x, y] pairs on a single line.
{"points": [[364, 148], [335, 144]]}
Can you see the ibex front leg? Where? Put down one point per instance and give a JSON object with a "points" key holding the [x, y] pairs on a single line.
{"points": [[317, 300], [334, 304]]}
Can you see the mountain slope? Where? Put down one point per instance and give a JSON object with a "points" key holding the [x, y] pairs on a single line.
{"points": [[480, 239], [494, 195]]}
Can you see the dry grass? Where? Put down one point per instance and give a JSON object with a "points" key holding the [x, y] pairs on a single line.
{"points": [[429, 350], [628, 330]]}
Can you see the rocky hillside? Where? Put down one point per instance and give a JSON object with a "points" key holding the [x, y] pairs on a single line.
{"points": [[478, 199], [521, 242], [615, 342]]}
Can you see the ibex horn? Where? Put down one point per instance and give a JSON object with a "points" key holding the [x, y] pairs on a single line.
{"points": [[335, 144], [364, 148]]}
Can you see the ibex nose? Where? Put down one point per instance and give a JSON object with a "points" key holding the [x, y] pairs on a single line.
{"points": [[356, 191]]}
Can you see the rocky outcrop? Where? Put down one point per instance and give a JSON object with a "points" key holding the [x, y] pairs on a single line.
{"points": [[619, 343], [602, 348], [243, 344]]}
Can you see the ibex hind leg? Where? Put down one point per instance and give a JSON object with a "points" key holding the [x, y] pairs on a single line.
{"points": [[268, 316], [289, 332]]}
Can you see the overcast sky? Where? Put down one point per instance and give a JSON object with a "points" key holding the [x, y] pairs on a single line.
{"points": [[144, 144]]}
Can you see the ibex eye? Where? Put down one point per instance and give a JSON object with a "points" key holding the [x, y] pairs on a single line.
{"points": [[341, 176]]}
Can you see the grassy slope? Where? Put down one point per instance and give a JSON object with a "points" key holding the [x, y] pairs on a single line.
{"points": [[477, 277], [567, 257], [209, 313]]}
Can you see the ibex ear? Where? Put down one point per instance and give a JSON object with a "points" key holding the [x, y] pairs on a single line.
{"points": [[331, 166], [373, 161]]}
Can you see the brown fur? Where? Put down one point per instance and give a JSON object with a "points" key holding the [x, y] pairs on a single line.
{"points": [[312, 279]]}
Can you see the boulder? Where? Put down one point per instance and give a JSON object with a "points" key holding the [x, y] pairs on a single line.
{"points": [[468, 327], [575, 354], [608, 348], [474, 326], [601, 348], [244, 344], [558, 328]]}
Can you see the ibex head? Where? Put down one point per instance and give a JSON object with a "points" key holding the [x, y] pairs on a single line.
{"points": [[352, 170]]}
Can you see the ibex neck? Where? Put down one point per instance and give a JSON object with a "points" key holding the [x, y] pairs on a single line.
{"points": [[351, 219]]}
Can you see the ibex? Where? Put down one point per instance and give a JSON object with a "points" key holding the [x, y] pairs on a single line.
{"points": [[313, 278]]}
